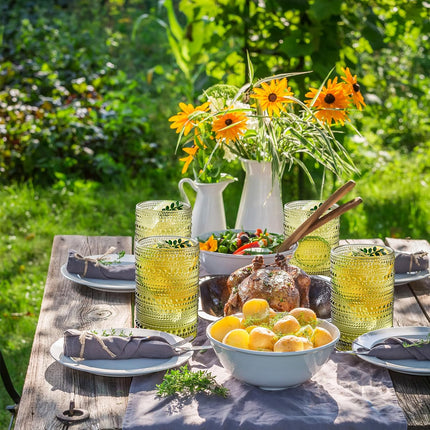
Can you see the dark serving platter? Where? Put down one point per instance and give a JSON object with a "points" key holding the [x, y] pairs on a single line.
{"points": [[214, 295]]}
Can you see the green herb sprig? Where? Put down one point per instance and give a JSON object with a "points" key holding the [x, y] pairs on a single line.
{"points": [[118, 260], [176, 206], [418, 343], [113, 332], [179, 243], [375, 251], [315, 207], [185, 382]]}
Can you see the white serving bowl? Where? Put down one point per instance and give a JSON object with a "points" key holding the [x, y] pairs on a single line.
{"points": [[274, 370], [217, 263]]}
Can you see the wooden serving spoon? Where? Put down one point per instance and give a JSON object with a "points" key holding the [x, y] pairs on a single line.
{"points": [[316, 220]]}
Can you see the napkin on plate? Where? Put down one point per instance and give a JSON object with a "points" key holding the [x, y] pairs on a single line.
{"points": [[90, 346], [399, 348], [411, 262], [410, 255], [90, 267]]}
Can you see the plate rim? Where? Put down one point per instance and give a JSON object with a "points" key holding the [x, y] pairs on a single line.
{"points": [[384, 333], [405, 278], [90, 366], [123, 286]]}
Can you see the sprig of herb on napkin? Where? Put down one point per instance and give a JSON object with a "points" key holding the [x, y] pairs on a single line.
{"points": [[418, 343], [184, 381], [109, 262]]}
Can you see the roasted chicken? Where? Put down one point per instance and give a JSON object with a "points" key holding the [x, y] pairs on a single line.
{"points": [[284, 286]]}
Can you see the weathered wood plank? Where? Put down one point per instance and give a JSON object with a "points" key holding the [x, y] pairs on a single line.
{"points": [[421, 290], [414, 398], [49, 386], [412, 391]]}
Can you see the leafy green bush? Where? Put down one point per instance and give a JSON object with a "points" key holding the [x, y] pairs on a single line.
{"points": [[69, 109]]}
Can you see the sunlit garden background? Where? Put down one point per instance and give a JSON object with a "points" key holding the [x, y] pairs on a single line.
{"points": [[87, 87]]}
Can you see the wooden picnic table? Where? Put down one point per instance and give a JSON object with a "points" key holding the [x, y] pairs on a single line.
{"points": [[49, 386]]}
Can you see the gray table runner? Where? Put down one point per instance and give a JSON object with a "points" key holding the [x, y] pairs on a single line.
{"points": [[346, 393]]}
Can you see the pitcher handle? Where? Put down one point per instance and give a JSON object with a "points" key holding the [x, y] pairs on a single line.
{"points": [[181, 188]]}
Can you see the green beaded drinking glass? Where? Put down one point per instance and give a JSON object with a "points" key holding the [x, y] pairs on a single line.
{"points": [[362, 289], [313, 251], [167, 284], [162, 217]]}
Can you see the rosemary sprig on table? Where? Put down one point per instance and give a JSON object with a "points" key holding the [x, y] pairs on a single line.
{"points": [[185, 382], [176, 206]]}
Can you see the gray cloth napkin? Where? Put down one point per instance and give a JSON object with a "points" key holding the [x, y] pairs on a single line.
{"points": [[347, 393], [393, 349], [411, 262], [410, 255], [98, 347], [77, 264]]}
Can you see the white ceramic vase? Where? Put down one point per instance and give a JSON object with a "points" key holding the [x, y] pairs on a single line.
{"points": [[261, 201], [208, 210]]}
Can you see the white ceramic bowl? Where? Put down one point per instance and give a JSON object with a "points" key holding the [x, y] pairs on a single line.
{"points": [[274, 370], [217, 263]]}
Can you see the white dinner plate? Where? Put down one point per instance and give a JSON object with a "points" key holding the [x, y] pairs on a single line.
{"points": [[123, 368], [404, 278], [109, 285], [410, 367]]}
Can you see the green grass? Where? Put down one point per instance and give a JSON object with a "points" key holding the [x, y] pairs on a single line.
{"points": [[395, 198], [31, 217]]}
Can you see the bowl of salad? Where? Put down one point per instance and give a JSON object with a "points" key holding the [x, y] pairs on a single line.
{"points": [[224, 251]]}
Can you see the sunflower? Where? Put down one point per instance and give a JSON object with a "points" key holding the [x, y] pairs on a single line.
{"points": [[183, 121], [331, 102], [230, 125], [273, 97], [353, 88], [188, 160]]}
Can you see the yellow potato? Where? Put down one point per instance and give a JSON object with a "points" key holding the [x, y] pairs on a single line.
{"points": [[286, 325], [223, 326], [307, 344], [272, 313], [238, 338], [306, 331], [291, 343], [304, 316], [262, 338], [321, 337], [250, 328], [256, 309]]}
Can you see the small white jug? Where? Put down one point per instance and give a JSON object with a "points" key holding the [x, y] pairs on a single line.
{"points": [[208, 211]]}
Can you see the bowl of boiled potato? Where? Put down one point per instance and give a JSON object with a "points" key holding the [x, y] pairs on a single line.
{"points": [[272, 350]]}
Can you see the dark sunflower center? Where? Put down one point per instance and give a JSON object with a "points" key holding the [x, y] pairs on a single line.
{"points": [[228, 121], [329, 98], [356, 87], [272, 97]]}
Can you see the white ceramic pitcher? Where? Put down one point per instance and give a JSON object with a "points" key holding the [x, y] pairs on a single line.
{"points": [[208, 210], [261, 202]]}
